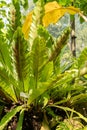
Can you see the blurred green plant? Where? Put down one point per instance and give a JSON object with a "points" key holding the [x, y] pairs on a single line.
{"points": [[31, 75]]}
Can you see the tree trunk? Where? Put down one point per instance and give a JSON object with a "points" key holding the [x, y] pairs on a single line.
{"points": [[73, 37]]}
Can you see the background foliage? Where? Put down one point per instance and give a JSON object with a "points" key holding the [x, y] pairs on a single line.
{"points": [[39, 76]]}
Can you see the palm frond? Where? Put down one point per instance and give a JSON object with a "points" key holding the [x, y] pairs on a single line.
{"points": [[21, 54], [8, 84], [16, 19], [54, 49], [53, 82], [39, 56], [61, 41], [8, 117], [36, 20], [48, 42], [5, 97], [19, 125], [5, 54], [43, 32], [82, 58]]}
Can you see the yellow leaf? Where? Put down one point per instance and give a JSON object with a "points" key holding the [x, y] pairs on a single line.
{"points": [[51, 6], [53, 12], [26, 25]]}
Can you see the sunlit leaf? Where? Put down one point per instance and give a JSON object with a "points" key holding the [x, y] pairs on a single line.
{"points": [[27, 23], [51, 6], [9, 116], [47, 71], [44, 86], [21, 55], [6, 83], [19, 125], [82, 58], [2, 4], [53, 16], [53, 12], [5, 53]]}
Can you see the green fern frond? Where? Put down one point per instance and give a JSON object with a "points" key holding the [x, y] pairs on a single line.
{"points": [[36, 20], [8, 92], [16, 19], [48, 42], [3, 95], [54, 49], [5, 54], [82, 58], [43, 32], [4, 121], [53, 82], [8, 84], [21, 54], [61, 41], [39, 56], [7, 77]]}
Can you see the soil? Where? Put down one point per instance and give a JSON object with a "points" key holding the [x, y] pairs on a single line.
{"points": [[32, 119]]}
